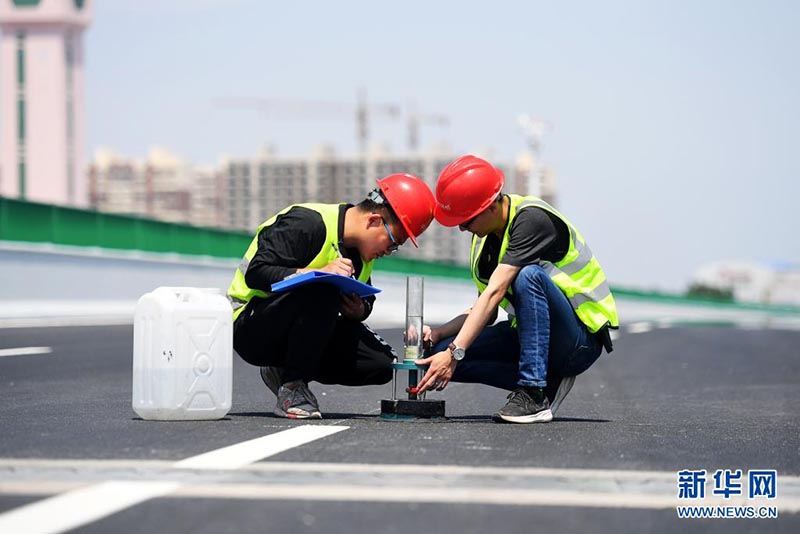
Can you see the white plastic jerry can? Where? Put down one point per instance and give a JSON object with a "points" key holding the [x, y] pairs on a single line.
{"points": [[182, 354]]}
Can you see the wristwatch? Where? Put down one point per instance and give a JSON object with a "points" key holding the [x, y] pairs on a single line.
{"points": [[456, 352]]}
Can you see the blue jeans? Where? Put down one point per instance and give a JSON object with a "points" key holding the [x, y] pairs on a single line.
{"points": [[549, 339]]}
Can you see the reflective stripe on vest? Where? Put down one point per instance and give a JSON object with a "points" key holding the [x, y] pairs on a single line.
{"points": [[578, 274], [239, 294]]}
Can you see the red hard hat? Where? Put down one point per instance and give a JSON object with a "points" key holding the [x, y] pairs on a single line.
{"points": [[412, 201], [466, 187]]}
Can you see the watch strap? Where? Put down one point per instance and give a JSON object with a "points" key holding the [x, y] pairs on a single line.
{"points": [[453, 350]]}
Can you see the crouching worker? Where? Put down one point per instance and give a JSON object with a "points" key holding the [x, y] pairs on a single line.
{"points": [[314, 332], [529, 259]]}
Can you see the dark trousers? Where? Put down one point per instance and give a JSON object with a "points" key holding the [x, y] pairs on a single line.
{"points": [[301, 331], [549, 343]]}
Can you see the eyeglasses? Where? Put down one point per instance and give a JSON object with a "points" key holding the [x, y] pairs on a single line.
{"points": [[395, 245]]}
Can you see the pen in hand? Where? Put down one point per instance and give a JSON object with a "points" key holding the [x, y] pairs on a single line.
{"points": [[339, 254]]}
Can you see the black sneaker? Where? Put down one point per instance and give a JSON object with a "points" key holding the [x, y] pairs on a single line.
{"points": [[525, 405]]}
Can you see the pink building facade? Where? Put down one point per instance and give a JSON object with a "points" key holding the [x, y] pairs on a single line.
{"points": [[42, 124]]}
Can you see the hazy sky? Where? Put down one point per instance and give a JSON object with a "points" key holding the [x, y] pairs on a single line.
{"points": [[674, 122]]}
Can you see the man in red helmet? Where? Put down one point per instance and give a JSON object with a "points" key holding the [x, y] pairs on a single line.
{"points": [[529, 259], [314, 332]]}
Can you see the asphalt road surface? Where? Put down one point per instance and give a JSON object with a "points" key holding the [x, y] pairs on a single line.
{"points": [[75, 457]]}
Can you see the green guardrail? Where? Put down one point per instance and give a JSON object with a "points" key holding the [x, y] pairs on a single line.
{"points": [[670, 298], [32, 222], [44, 223]]}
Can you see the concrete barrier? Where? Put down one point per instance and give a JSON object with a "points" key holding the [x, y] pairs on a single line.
{"points": [[45, 284]]}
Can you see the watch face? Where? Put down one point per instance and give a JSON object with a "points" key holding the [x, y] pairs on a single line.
{"points": [[458, 353]]}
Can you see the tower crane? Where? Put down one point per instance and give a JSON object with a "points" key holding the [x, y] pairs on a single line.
{"points": [[534, 130], [416, 119], [315, 109], [414, 122]]}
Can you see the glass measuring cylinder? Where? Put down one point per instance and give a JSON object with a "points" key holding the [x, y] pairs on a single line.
{"points": [[415, 296]]}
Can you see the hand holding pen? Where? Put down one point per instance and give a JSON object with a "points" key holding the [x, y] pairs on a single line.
{"points": [[341, 265]]}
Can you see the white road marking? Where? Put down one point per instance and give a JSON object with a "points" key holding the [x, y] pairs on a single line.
{"points": [[576, 496], [464, 470], [402, 483], [51, 322], [25, 351], [36, 487], [257, 449], [639, 328], [81, 506], [420, 494]]}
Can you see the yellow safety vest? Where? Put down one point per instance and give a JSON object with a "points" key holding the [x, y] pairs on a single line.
{"points": [[578, 274], [240, 294]]}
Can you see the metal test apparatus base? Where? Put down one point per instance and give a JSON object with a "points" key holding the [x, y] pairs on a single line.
{"points": [[415, 406]]}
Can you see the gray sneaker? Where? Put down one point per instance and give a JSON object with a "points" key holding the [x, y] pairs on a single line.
{"points": [[525, 405], [296, 401], [272, 378], [562, 391]]}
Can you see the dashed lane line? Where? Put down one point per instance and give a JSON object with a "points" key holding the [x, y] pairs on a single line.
{"points": [[25, 351], [639, 328], [87, 504]]}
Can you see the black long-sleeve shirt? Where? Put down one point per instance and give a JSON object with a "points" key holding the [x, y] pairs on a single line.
{"points": [[291, 243]]}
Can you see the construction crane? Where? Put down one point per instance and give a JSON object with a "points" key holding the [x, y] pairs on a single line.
{"points": [[416, 119], [534, 130], [317, 109]]}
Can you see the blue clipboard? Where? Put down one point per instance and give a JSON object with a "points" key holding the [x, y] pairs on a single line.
{"points": [[344, 283]]}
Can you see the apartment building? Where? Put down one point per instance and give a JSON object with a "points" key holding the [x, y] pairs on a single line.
{"points": [[241, 193], [162, 186]]}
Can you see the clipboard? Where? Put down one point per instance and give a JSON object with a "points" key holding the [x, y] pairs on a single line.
{"points": [[344, 283]]}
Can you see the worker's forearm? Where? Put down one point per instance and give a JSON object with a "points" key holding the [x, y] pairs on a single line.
{"points": [[262, 276], [478, 317]]}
